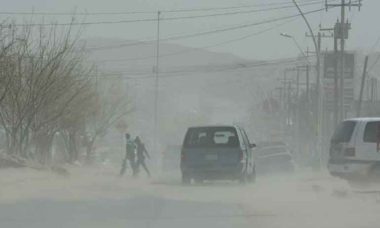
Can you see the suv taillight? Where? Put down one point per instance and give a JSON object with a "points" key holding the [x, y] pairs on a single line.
{"points": [[349, 152], [241, 156]]}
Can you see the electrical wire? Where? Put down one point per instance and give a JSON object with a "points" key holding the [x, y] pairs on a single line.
{"points": [[205, 33], [285, 3], [183, 73], [204, 47], [161, 19], [235, 7]]}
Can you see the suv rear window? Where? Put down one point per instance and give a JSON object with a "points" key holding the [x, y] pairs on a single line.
{"points": [[211, 137], [372, 132], [344, 132]]}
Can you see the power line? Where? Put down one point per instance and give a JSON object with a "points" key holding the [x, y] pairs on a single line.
{"points": [[204, 47], [239, 12], [162, 19], [235, 7], [182, 73], [143, 41], [146, 12], [205, 33], [74, 13]]}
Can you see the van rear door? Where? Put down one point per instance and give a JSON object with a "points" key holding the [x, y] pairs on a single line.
{"points": [[341, 140], [368, 146], [211, 147]]}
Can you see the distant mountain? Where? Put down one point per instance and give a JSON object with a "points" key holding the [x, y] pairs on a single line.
{"points": [[171, 54], [219, 87]]}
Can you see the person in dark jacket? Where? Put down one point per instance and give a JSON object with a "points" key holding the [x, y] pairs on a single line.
{"points": [[130, 155], [141, 153]]}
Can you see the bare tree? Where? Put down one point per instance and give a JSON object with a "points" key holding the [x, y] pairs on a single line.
{"points": [[45, 76], [112, 105], [47, 89]]}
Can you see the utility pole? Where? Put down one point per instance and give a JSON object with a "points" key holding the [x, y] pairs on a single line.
{"points": [[284, 90], [297, 83], [375, 86], [285, 80], [297, 113], [336, 88], [341, 32], [373, 89], [319, 84], [299, 70], [319, 37], [286, 94], [157, 70], [342, 42], [307, 84], [336, 97], [288, 111], [358, 111]]}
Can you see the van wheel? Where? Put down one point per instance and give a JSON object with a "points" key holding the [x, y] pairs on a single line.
{"points": [[186, 179]]}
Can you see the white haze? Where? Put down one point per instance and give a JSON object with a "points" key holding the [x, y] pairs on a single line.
{"points": [[94, 196]]}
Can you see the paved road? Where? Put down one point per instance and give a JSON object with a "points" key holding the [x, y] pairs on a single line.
{"points": [[137, 212], [110, 202]]}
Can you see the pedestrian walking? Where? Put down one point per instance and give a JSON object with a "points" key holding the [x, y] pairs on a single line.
{"points": [[141, 153], [130, 156]]}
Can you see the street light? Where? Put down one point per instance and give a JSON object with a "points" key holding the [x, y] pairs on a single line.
{"points": [[296, 43], [317, 46]]}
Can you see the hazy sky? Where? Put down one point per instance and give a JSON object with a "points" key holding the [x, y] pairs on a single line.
{"points": [[268, 45]]}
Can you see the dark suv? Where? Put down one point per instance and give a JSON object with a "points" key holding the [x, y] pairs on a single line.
{"points": [[217, 152]]}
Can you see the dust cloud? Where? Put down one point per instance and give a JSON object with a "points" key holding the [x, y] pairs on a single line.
{"points": [[98, 197]]}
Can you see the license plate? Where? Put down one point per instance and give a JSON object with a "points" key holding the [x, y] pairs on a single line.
{"points": [[211, 157]]}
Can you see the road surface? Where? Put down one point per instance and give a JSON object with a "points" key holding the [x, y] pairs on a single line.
{"points": [[98, 198]]}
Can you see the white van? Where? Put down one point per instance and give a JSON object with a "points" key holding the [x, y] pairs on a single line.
{"points": [[355, 149]]}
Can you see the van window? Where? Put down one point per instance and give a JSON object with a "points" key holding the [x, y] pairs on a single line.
{"points": [[344, 132], [372, 132], [211, 137]]}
